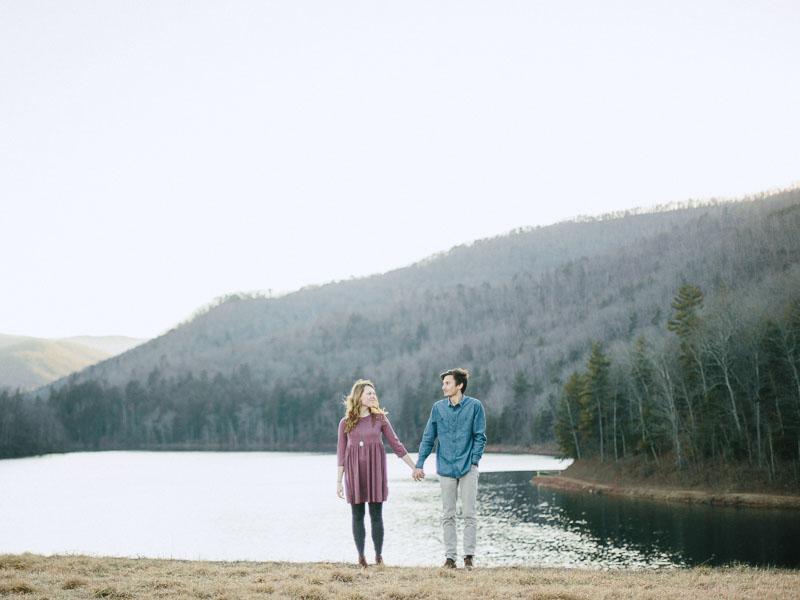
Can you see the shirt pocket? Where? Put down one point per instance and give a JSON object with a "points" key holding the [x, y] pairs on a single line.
{"points": [[444, 425]]}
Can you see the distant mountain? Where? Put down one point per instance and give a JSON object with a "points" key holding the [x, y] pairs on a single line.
{"points": [[521, 311], [10, 340], [29, 362], [110, 344]]}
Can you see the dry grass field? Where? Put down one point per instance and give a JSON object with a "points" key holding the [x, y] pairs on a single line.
{"points": [[32, 577]]}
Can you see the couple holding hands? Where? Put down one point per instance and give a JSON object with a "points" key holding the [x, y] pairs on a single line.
{"points": [[457, 421]]}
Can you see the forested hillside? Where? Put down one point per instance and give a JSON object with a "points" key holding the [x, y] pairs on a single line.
{"points": [[721, 386], [522, 311]]}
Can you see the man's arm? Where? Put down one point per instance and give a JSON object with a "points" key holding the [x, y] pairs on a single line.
{"points": [[428, 438], [478, 434]]}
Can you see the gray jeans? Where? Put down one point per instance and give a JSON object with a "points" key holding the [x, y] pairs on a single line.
{"points": [[467, 487]]}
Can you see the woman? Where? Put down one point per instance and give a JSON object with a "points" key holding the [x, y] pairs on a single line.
{"points": [[362, 457]]}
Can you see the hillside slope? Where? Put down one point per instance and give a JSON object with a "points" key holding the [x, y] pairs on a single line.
{"points": [[521, 311], [652, 252]]}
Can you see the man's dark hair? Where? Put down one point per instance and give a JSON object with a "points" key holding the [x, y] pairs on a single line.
{"points": [[460, 375]]}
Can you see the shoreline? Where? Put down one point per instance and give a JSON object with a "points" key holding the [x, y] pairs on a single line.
{"points": [[712, 497], [493, 448]]}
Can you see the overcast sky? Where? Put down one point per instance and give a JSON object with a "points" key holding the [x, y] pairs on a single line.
{"points": [[157, 154]]}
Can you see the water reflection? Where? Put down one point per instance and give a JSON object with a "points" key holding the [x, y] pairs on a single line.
{"points": [[546, 527]]}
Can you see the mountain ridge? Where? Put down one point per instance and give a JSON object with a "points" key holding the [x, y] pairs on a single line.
{"points": [[521, 311], [549, 251]]}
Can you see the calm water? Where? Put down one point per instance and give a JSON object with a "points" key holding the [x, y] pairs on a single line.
{"points": [[282, 506]]}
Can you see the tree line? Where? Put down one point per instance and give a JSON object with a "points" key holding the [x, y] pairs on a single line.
{"points": [[722, 383]]}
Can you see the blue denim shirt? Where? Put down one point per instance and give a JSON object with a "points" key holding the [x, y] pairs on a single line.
{"points": [[461, 431]]}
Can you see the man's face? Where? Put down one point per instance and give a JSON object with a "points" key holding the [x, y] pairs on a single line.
{"points": [[449, 387]]}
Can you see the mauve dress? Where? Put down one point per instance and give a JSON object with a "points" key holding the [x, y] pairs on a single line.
{"points": [[365, 463]]}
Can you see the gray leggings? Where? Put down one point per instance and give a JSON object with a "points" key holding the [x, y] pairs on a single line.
{"points": [[376, 521]]}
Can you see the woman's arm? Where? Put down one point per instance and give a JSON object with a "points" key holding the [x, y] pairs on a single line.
{"points": [[392, 438], [341, 448], [408, 461], [395, 443], [339, 486]]}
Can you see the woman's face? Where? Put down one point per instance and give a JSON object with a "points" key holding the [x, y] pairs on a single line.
{"points": [[368, 397]]}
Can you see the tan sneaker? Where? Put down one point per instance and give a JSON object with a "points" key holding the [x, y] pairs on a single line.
{"points": [[449, 564]]}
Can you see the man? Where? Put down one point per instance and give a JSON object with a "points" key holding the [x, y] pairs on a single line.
{"points": [[459, 423]]}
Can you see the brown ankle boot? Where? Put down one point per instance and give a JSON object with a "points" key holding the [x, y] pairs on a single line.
{"points": [[378, 559], [362, 560]]}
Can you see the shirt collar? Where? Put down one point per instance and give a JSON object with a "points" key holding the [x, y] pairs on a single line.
{"points": [[451, 405]]}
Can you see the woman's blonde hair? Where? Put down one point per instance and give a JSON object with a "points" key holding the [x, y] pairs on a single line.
{"points": [[352, 403]]}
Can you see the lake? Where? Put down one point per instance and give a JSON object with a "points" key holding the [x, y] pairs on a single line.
{"points": [[270, 506]]}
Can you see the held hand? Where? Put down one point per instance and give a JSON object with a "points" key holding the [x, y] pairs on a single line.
{"points": [[340, 490], [418, 474]]}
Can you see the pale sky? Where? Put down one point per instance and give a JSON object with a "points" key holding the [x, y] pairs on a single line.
{"points": [[157, 154]]}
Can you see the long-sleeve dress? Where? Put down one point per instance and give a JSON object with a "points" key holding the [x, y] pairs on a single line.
{"points": [[363, 457]]}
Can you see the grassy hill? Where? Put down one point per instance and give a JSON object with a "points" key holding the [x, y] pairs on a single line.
{"points": [[28, 363]]}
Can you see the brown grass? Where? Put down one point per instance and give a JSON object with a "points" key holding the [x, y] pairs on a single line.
{"points": [[75, 577]]}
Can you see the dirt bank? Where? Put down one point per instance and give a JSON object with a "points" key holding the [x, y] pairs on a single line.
{"points": [[719, 485]]}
